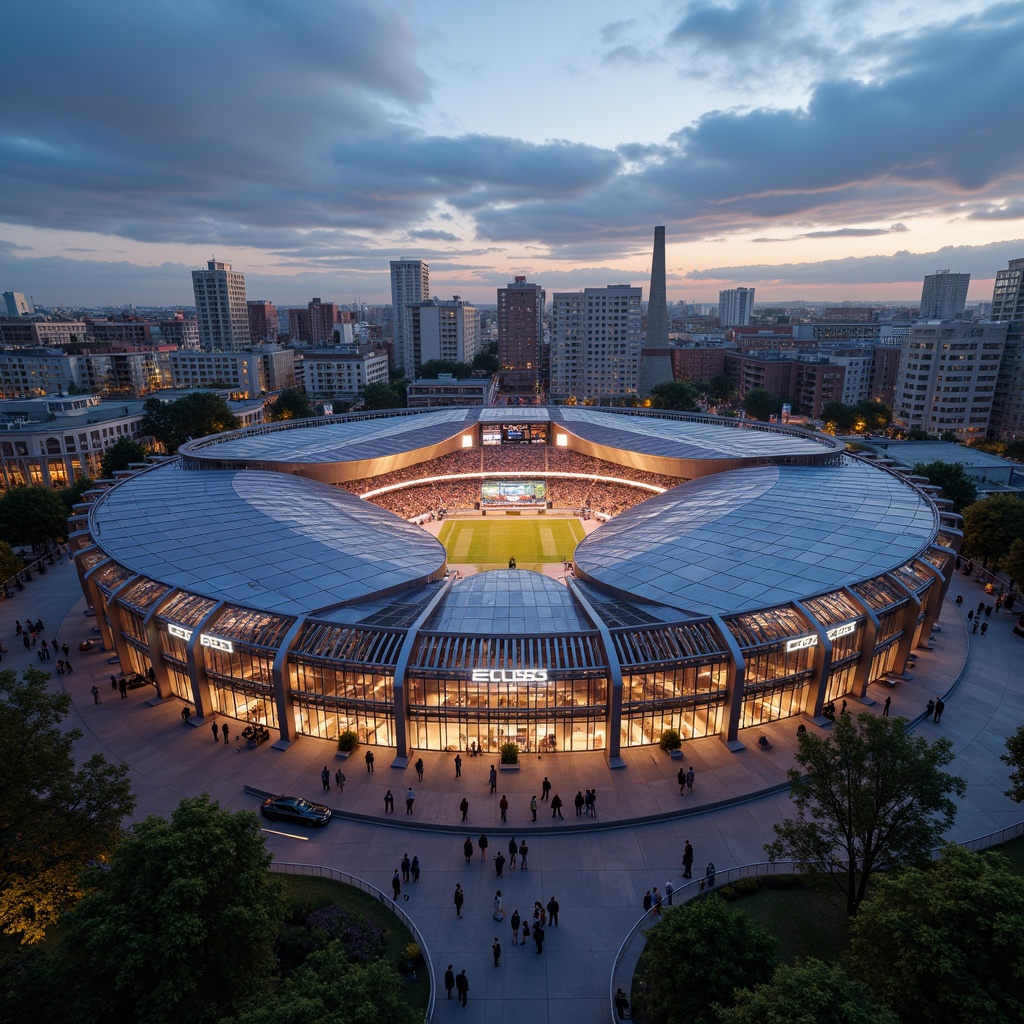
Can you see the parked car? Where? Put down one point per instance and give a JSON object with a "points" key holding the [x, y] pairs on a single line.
{"points": [[295, 809]]}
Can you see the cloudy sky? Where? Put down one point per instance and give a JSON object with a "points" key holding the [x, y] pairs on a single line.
{"points": [[812, 148]]}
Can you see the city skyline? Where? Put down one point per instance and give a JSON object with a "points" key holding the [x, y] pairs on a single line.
{"points": [[813, 150]]}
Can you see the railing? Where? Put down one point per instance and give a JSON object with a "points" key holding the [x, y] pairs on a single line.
{"points": [[320, 871], [628, 955]]}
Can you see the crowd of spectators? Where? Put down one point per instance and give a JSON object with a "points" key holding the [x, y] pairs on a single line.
{"points": [[581, 490]]}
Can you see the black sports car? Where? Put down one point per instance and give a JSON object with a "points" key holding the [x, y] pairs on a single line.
{"points": [[295, 808]]}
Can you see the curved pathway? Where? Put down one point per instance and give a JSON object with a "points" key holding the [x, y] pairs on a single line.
{"points": [[598, 870]]}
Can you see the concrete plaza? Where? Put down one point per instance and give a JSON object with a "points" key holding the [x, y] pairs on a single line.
{"points": [[598, 869]]}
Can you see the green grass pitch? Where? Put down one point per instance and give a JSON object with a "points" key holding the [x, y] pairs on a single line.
{"points": [[493, 540]]}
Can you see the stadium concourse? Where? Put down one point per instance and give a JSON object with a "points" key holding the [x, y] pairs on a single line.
{"points": [[598, 869]]}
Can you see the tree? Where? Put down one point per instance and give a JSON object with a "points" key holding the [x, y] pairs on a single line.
{"points": [[869, 796], [1014, 757], [760, 404], [10, 563], [71, 496], [32, 515], [291, 404], [329, 989], [990, 526], [433, 368], [721, 389], [951, 938], [839, 418], [810, 992], [180, 927], [55, 816], [487, 361], [1013, 563], [875, 416], [120, 455], [956, 485], [196, 415], [706, 940], [680, 395], [381, 396]]}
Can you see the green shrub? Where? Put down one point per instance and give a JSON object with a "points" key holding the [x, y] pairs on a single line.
{"points": [[671, 740], [348, 740], [510, 753]]}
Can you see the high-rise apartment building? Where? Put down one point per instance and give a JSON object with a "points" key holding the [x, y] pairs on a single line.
{"points": [[735, 306], [442, 329], [263, 320], [947, 377], [410, 283], [595, 344], [944, 295], [520, 334], [221, 309], [1008, 294], [17, 305]]}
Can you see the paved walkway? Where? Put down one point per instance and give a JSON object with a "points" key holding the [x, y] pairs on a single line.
{"points": [[597, 869]]}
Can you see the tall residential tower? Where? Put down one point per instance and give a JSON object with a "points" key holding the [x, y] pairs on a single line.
{"points": [[410, 282], [221, 308], [521, 335], [735, 306], [944, 295], [1008, 294]]}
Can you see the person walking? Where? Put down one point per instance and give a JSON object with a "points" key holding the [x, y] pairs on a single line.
{"points": [[96, 696], [496, 951], [464, 807], [545, 789], [687, 860], [449, 980], [710, 874], [224, 730], [460, 898], [647, 901], [886, 706], [415, 869], [984, 628], [462, 986], [368, 758], [515, 921], [419, 770], [482, 843], [410, 799], [681, 779], [492, 779], [939, 708], [579, 801], [122, 684], [556, 806], [538, 937], [499, 910], [339, 780], [396, 886], [467, 849], [499, 863], [656, 901], [389, 803], [325, 778], [689, 779], [513, 849], [503, 806], [458, 766], [406, 864], [526, 933], [523, 851], [533, 806], [216, 733], [553, 911], [669, 889], [592, 805]]}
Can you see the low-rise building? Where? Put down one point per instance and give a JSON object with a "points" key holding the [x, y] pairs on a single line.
{"points": [[340, 372], [447, 390]]}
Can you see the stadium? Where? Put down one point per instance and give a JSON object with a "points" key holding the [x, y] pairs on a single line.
{"points": [[722, 574]]}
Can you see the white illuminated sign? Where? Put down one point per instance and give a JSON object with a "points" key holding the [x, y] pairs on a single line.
{"points": [[801, 642], [179, 631], [510, 675], [837, 631], [216, 644]]}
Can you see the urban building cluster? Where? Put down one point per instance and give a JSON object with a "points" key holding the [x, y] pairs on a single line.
{"points": [[942, 369]]}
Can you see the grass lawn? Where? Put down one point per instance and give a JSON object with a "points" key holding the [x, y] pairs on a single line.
{"points": [[490, 542], [303, 889]]}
